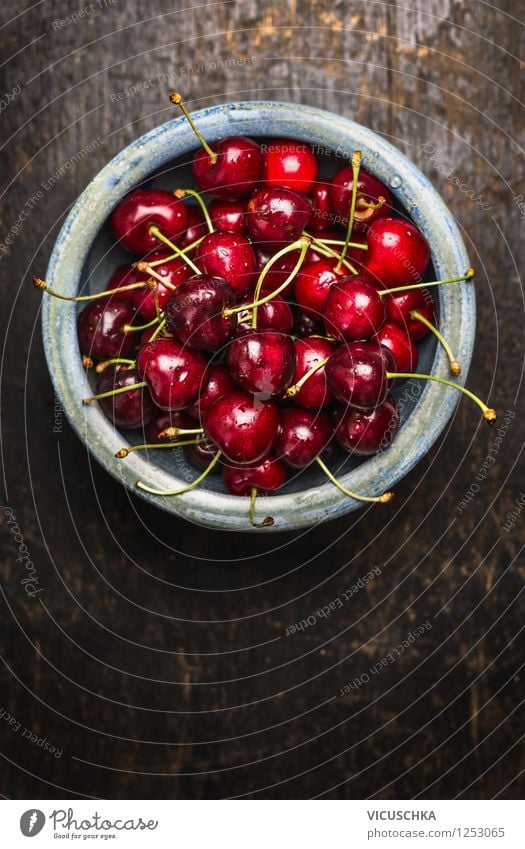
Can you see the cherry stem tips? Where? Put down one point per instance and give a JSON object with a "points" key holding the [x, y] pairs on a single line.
{"points": [[368, 204], [155, 277], [381, 499], [42, 285], [168, 432], [209, 468], [111, 392], [176, 99], [177, 251], [455, 365], [182, 193], [488, 413], [267, 522], [292, 391], [100, 367], [123, 452], [468, 275], [87, 362], [356, 166]]}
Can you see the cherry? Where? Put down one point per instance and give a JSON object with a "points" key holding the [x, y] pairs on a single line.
{"points": [[238, 167], [305, 325], [397, 253], [314, 393], [274, 315], [243, 427], [101, 332], [267, 477], [313, 283], [363, 433], [231, 257], [262, 361], [195, 226], [142, 209], [216, 382], [397, 340], [303, 435], [399, 305], [370, 190], [357, 374], [195, 313], [125, 409], [323, 216], [172, 272], [277, 214], [163, 420], [201, 454], [228, 216], [353, 309], [125, 275], [291, 164], [173, 372]]}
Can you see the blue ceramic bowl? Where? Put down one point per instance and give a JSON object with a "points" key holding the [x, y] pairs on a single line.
{"points": [[85, 255]]}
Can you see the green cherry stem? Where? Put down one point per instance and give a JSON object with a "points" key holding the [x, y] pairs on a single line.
{"points": [[267, 522], [488, 413], [292, 391], [468, 275], [356, 166], [168, 432], [177, 255], [162, 238], [145, 268], [193, 484], [100, 367], [136, 328], [322, 249], [361, 245], [123, 452], [42, 285], [176, 99], [157, 330], [119, 391], [182, 193], [455, 365], [381, 499]]}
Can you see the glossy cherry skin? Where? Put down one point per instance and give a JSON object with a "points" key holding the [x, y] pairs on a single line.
{"points": [[267, 477], [304, 325], [356, 374], [243, 427], [313, 283], [195, 313], [196, 226], [216, 382], [201, 454], [142, 209], [364, 433], [124, 275], [127, 409], [228, 216], [353, 309], [396, 339], [100, 329], [262, 361], [273, 315], [173, 272], [400, 304], [314, 393], [231, 257], [290, 163], [239, 167], [172, 371], [163, 420], [277, 214], [303, 436], [369, 189], [323, 217], [398, 253]]}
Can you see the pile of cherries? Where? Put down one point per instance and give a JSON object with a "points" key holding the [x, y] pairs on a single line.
{"points": [[261, 328]]}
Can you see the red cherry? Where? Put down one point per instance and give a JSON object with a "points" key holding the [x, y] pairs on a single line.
{"points": [[195, 226], [304, 325], [323, 216], [174, 272], [100, 328], [291, 164], [201, 455], [243, 427], [195, 313], [262, 361], [369, 191], [356, 374], [398, 253], [314, 393], [127, 409], [400, 304], [124, 275], [228, 216], [353, 309], [313, 283], [216, 382], [273, 315], [277, 214], [267, 477], [163, 420], [230, 256], [173, 372], [238, 168], [143, 209], [397, 340], [303, 435], [363, 433]]}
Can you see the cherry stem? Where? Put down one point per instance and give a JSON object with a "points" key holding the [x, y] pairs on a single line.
{"points": [[381, 499], [182, 193], [292, 391], [144, 267], [176, 99], [368, 204], [468, 275], [168, 432], [87, 362], [41, 284], [356, 165], [488, 413], [123, 452], [318, 241], [267, 522], [135, 328], [180, 251], [156, 332], [100, 367], [326, 251], [455, 365], [193, 484], [177, 251], [118, 391]]}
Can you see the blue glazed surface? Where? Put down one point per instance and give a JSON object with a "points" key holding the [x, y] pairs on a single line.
{"points": [[84, 237]]}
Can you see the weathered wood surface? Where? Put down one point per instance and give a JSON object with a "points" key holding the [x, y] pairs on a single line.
{"points": [[157, 670]]}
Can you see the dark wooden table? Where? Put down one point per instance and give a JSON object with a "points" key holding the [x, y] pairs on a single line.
{"points": [[154, 656]]}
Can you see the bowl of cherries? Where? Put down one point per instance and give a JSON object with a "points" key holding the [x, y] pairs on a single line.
{"points": [[259, 315]]}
